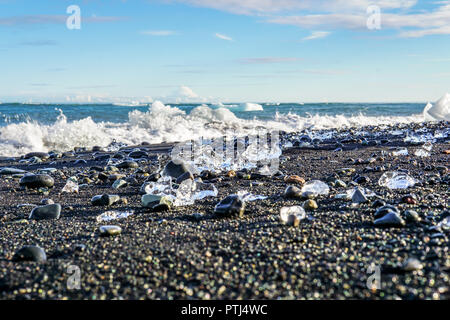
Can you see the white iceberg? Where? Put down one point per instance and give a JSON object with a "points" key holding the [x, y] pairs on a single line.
{"points": [[440, 110]]}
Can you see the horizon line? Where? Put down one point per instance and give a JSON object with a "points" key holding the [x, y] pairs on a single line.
{"points": [[210, 102]]}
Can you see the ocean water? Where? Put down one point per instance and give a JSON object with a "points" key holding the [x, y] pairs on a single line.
{"points": [[44, 127]]}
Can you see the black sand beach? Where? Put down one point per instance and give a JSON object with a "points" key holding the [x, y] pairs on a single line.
{"points": [[190, 253]]}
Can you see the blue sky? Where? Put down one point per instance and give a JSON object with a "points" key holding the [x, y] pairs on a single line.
{"points": [[224, 50]]}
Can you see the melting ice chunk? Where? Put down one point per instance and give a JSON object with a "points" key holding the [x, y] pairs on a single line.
{"points": [[316, 187], [421, 153], [424, 150], [203, 190], [71, 185], [396, 180], [247, 196], [364, 191], [401, 152], [162, 186], [113, 215], [189, 191], [292, 215], [184, 193]]}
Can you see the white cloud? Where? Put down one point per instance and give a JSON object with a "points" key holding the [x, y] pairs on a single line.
{"points": [[425, 32], [187, 92], [223, 37], [183, 94], [316, 35], [264, 7], [160, 33], [399, 15]]}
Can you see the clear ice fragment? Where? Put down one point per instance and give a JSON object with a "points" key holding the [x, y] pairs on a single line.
{"points": [[247, 196], [113, 215], [203, 190], [366, 192], [292, 215], [71, 185], [424, 150], [396, 180], [316, 187], [402, 152], [189, 191]]}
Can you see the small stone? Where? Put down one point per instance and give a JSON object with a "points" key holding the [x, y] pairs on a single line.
{"points": [[412, 264], [149, 200], [80, 161], [47, 212], [103, 177], [361, 179], [128, 164], [116, 176], [346, 171], [174, 169], [97, 149], [310, 205], [119, 155], [138, 154], [104, 200], [230, 206], [30, 253], [231, 174], [11, 171], [391, 219], [246, 176], [292, 192], [79, 247], [378, 203], [47, 201], [37, 181], [184, 176], [294, 179], [161, 207], [153, 177], [102, 157], [119, 184], [106, 231], [41, 155], [384, 210], [197, 216], [340, 183], [411, 216], [409, 199], [43, 190]]}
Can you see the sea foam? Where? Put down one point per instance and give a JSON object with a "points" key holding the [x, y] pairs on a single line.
{"points": [[164, 123]]}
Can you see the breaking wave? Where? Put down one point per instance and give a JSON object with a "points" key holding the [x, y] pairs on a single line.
{"points": [[164, 123]]}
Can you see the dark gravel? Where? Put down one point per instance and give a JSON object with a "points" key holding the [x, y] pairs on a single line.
{"points": [[190, 253]]}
